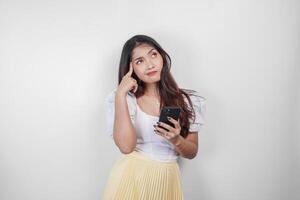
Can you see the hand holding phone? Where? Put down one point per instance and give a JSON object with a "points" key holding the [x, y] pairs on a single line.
{"points": [[169, 111]]}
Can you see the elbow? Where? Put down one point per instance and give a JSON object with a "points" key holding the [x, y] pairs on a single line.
{"points": [[125, 144], [189, 156], [192, 156], [126, 150]]}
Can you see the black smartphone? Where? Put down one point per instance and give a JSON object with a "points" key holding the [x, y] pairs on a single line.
{"points": [[169, 111]]}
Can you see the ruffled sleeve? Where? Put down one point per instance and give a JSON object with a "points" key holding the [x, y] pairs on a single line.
{"points": [[199, 105], [110, 110]]}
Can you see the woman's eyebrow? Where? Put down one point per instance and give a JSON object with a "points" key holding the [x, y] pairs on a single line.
{"points": [[147, 53]]}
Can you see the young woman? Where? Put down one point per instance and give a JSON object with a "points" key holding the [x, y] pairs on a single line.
{"points": [[148, 168]]}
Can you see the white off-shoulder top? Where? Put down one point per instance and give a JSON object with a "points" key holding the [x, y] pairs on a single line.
{"points": [[152, 145]]}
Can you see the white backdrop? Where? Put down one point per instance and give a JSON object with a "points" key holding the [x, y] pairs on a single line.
{"points": [[58, 60]]}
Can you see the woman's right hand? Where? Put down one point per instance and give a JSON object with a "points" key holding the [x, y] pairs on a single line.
{"points": [[128, 83]]}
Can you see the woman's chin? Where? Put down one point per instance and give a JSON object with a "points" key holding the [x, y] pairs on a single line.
{"points": [[153, 80]]}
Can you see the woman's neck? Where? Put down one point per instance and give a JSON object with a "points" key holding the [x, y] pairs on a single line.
{"points": [[151, 90]]}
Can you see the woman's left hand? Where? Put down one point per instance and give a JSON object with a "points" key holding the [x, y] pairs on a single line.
{"points": [[172, 134]]}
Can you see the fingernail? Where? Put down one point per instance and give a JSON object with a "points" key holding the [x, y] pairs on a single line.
{"points": [[157, 122], [169, 118], [154, 126]]}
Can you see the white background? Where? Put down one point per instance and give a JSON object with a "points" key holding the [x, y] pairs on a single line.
{"points": [[59, 59]]}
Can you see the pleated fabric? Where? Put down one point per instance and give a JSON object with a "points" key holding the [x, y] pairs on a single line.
{"points": [[134, 176]]}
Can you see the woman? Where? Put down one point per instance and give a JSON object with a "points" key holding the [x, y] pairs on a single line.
{"points": [[148, 168]]}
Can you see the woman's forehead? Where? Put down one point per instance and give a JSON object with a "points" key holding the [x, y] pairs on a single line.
{"points": [[141, 50]]}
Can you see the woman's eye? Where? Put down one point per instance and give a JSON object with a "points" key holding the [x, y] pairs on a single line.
{"points": [[154, 54]]}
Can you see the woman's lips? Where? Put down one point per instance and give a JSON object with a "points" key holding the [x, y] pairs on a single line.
{"points": [[151, 73]]}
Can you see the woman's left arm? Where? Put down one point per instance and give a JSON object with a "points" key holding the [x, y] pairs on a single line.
{"points": [[186, 147]]}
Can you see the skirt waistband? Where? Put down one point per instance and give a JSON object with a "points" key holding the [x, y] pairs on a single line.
{"points": [[141, 156]]}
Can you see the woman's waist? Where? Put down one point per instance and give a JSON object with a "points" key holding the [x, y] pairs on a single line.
{"points": [[161, 146], [162, 155]]}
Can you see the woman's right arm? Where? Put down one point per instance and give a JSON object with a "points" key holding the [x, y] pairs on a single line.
{"points": [[123, 132]]}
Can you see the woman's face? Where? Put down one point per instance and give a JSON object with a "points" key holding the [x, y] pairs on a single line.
{"points": [[147, 63]]}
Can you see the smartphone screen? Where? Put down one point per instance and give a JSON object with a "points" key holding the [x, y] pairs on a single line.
{"points": [[169, 111]]}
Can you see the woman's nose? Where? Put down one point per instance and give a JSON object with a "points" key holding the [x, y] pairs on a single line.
{"points": [[150, 64]]}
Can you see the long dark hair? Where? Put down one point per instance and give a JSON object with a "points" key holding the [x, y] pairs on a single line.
{"points": [[170, 93]]}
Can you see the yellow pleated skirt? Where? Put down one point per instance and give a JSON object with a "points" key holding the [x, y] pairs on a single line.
{"points": [[134, 176]]}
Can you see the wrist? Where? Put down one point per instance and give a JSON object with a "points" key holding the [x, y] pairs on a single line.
{"points": [[178, 140], [120, 93]]}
